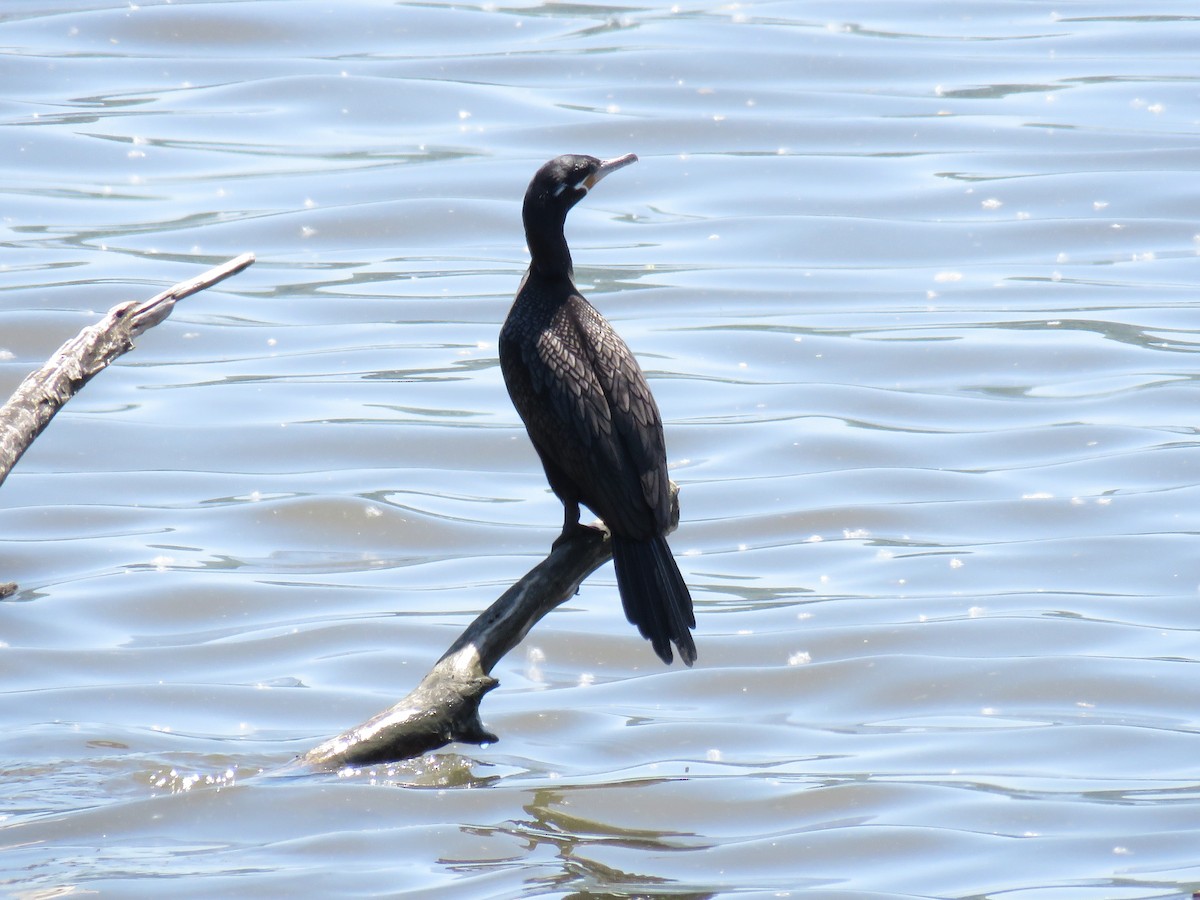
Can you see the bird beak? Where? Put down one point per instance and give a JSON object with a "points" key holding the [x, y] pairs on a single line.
{"points": [[608, 165]]}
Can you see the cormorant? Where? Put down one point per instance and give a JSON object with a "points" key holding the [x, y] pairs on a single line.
{"points": [[589, 411]]}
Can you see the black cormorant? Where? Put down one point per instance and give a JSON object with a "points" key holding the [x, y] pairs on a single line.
{"points": [[589, 411]]}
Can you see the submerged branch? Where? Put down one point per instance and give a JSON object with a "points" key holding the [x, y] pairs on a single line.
{"points": [[444, 707], [44, 392]]}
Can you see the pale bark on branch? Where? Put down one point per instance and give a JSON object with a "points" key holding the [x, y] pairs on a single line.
{"points": [[444, 707], [43, 393]]}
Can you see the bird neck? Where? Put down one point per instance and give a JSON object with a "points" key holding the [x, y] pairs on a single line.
{"points": [[549, 254]]}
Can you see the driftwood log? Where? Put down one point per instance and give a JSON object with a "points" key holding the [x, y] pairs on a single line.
{"points": [[43, 393], [444, 707]]}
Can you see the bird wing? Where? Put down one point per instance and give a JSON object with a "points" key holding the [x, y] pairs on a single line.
{"points": [[610, 432]]}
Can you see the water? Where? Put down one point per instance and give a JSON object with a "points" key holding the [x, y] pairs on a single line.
{"points": [[914, 285]]}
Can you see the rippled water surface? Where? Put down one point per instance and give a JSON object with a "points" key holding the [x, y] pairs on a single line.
{"points": [[915, 287]]}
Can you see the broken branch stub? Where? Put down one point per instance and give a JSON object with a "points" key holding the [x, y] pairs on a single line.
{"points": [[44, 392]]}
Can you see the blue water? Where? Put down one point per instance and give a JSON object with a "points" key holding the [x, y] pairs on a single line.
{"points": [[915, 286]]}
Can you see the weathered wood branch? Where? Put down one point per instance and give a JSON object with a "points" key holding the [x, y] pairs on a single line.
{"points": [[444, 707], [43, 393]]}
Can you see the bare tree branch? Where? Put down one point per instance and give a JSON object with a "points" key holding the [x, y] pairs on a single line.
{"points": [[444, 707], [43, 393]]}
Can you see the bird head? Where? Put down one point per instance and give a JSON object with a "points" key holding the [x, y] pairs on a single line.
{"points": [[565, 180]]}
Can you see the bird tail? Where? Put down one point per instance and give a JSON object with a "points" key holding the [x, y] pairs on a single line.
{"points": [[654, 595]]}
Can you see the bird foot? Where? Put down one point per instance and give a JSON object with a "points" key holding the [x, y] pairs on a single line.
{"points": [[570, 532]]}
